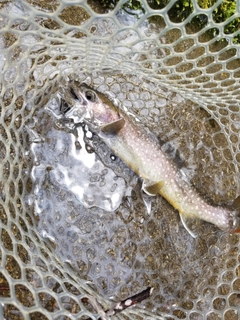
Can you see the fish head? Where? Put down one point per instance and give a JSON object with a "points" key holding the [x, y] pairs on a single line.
{"points": [[85, 95], [99, 109]]}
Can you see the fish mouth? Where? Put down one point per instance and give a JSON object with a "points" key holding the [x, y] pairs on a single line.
{"points": [[76, 92]]}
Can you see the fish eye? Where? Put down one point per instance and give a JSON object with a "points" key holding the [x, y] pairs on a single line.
{"points": [[91, 96]]}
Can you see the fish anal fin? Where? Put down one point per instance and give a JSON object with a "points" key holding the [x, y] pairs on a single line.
{"points": [[186, 223], [152, 189], [113, 127]]}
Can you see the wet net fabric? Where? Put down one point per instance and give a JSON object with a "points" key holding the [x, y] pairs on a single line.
{"points": [[77, 231]]}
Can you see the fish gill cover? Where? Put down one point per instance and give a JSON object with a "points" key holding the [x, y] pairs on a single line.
{"points": [[75, 225]]}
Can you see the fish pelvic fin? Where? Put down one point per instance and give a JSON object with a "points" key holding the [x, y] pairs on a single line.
{"points": [[114, 127], [152, 189]]}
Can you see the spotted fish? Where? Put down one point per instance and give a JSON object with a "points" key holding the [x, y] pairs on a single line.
{"points": [[135, 146]]}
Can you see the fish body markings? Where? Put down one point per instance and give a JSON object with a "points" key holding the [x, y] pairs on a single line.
{"points": [[142, 153]]}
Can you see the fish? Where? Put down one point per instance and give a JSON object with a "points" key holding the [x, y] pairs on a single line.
{"points": [[140, 150]]}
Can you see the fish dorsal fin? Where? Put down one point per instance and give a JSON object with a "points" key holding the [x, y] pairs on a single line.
{"points": [[236, 203], [113, 127], [185, 222], [152, 189]]}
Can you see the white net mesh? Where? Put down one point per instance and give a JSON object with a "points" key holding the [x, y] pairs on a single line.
{"points": [[74, 223]]}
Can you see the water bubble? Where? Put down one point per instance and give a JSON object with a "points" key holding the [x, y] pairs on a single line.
{"points": [[114, 187], [113, 157], [104, 171], [78, 145]]}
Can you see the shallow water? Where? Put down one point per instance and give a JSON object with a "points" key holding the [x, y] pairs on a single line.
{"points": [[91, 206]]}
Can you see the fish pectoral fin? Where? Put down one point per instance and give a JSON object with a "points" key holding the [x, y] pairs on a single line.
{"points": [[186, 223], [152, 189], [113, 127]]}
